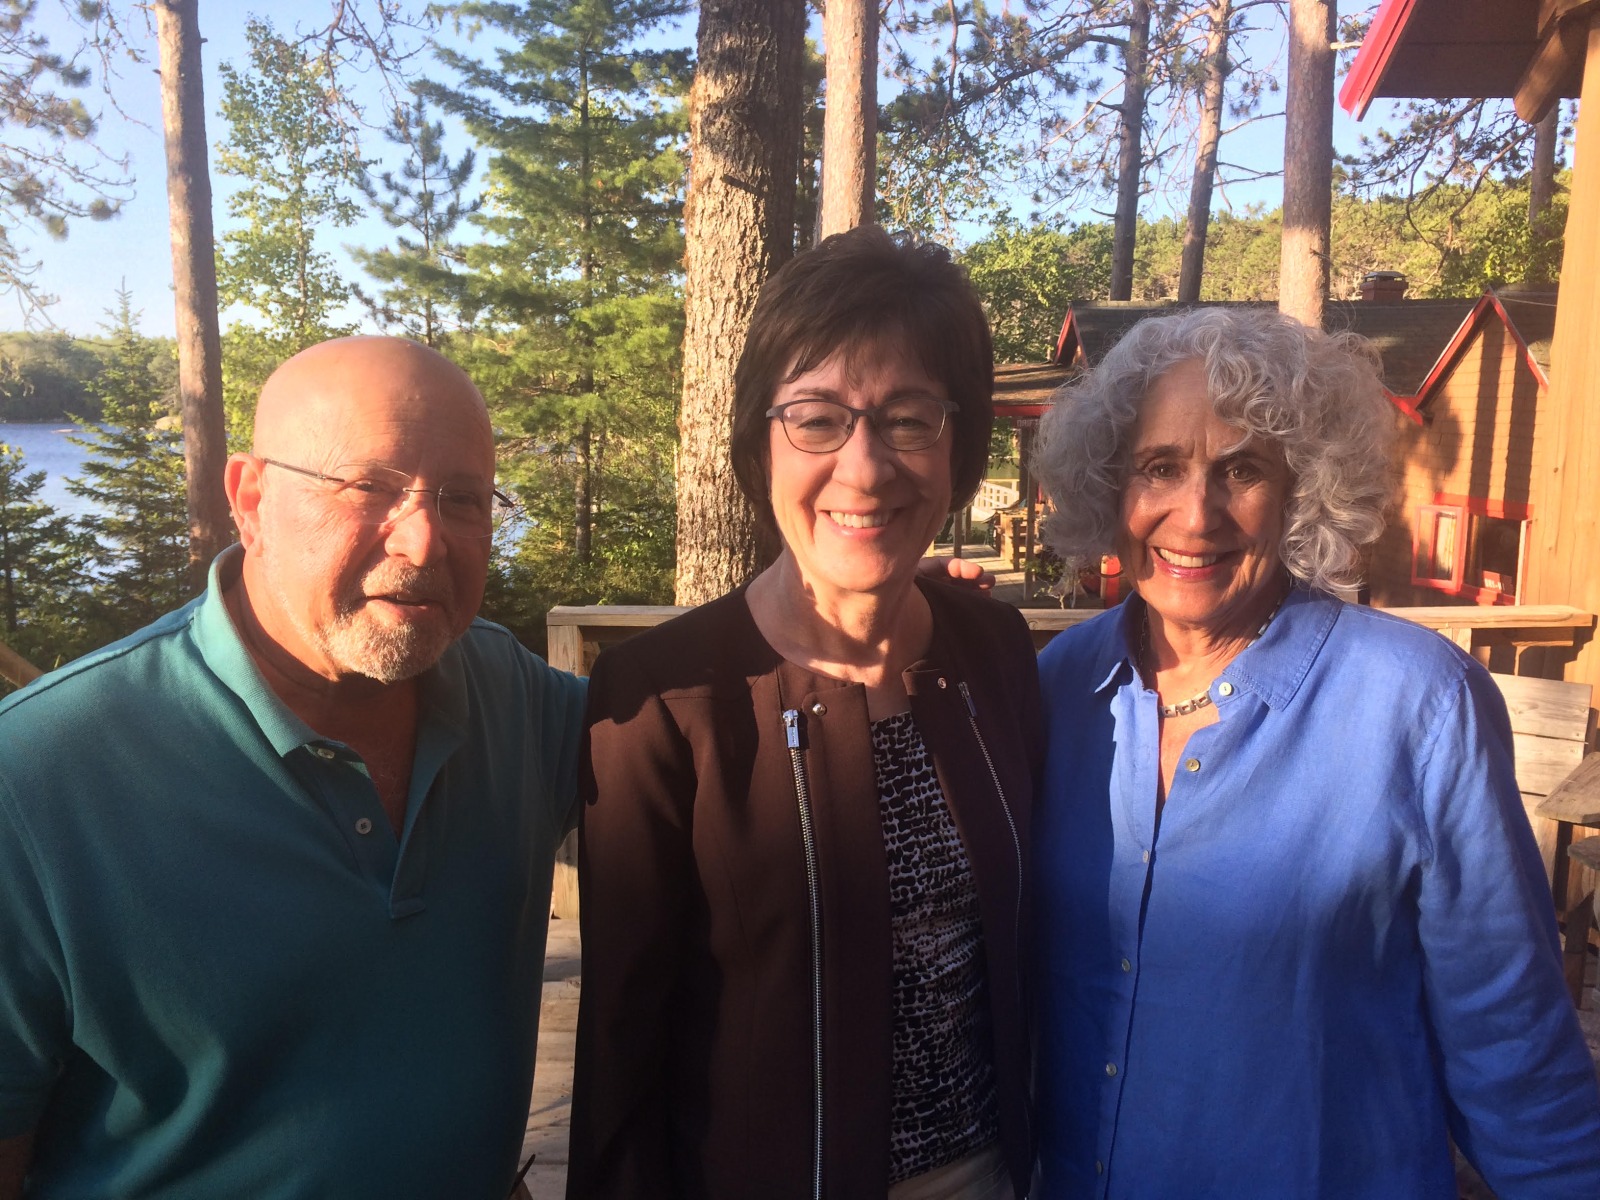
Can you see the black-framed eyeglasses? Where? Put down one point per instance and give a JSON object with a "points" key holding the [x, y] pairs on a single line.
{"points": [[374, 495], [822, 426]]}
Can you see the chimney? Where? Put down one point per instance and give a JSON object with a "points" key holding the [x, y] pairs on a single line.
{"points": [[1383, 287]]}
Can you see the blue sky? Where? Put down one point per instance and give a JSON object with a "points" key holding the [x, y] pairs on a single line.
{"points": [[85, 269]]}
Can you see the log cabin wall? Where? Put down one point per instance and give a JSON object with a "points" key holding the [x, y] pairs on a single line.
{"points": [[1481, 439]]}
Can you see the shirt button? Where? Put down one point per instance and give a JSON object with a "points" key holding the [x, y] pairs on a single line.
{"points": [[1224, 688], [323, 751], [1099, 1167], [944, 683], [363, 826], [1111, 1070], [1147, 856], [1126, 965], [1192, 765], [819, 709]]}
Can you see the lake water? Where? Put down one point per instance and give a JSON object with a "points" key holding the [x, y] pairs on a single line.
{"points": [[45, 447]]}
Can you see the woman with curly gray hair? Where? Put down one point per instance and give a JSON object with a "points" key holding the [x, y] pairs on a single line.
{"points": [[1293, 929]]}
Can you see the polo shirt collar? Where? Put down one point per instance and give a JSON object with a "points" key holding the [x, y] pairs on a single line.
{"points": [[1273, 667], [443, 698]]}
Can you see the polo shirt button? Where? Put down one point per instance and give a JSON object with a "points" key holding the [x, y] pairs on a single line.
{"points": [[1224, 688], [1099, 1167], [1111, 1070], [819, 709], [1192, 765], [323, 751], [363, 826], [1126, 965], [1147, 856]]}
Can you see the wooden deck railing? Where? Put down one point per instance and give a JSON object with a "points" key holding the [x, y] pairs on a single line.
{"points": [[15, 669], [578, 633]]}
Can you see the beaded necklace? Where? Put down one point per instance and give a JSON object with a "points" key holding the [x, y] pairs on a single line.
{"points": [[1195, 703]]}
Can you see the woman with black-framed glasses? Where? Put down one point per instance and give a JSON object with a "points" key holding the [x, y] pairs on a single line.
{"points": [[804, 848]]}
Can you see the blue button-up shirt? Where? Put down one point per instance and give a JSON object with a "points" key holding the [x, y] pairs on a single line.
{"points": [[1335, 946]]}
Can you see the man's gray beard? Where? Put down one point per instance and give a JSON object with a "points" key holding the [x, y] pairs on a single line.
{"points": [[388, 654], [357, 645]]}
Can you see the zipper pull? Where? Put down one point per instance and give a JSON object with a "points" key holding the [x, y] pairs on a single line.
{"points": [[972, 709], [791, 727]]}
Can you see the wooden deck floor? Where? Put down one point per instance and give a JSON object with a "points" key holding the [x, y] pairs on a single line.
{"points": [[550, 1115]]}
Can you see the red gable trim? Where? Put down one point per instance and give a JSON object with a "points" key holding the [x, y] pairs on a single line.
{"points": [[1372, 61], [1463, 335], [1407, 405], [1068, 336]]}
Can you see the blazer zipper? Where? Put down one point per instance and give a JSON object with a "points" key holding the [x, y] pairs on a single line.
{"points": [[1005, 805], [791, 731]]}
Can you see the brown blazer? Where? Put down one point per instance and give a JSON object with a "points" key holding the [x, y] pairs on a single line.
{"points": [[696, 1074]]}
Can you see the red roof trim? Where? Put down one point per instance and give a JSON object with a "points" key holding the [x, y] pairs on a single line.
{"points": [[1068, 326], [1407, 405], [1372, 60], [1457, 346], [1522, 343], [1452, 351], [1022, 411]]}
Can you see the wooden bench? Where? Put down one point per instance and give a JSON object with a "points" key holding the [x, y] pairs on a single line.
{"points": [[1573, 804]]}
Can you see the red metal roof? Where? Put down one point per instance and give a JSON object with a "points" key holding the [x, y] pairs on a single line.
{"points": [[1441, 49]]}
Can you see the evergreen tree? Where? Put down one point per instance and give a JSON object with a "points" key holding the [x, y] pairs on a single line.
{"points": [[42, 559], [293, 154], [134, 476], [424, 203], [575, 285]]}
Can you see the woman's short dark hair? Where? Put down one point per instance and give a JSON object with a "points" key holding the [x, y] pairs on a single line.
{"points": [[854, 291]]}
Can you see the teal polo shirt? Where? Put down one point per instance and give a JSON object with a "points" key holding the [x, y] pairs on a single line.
{"points": [[221, 974]]}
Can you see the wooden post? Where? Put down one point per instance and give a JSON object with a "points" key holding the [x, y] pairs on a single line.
{"points": [[15, 669], [1563, 556]]}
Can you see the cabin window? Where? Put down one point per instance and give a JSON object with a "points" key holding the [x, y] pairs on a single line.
{"points": [[1470, 547], [1436, 546]]}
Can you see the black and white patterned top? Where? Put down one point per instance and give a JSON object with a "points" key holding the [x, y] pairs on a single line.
{"points": [[944, 1090]]}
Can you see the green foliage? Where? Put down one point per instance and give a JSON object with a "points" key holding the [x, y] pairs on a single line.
{"points": [[47, 377], [424, 203], [134, 475], [290, 148], [42, 563], [1027, 277], [53, 173], [578, 318]]}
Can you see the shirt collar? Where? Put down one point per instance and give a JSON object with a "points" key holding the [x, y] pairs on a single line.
{"points": [[443, 698], [1273, 667]]}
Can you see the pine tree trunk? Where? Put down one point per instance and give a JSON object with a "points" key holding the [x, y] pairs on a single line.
{"points": [[1130, 155], [1205, 164], [850, 121], [744, 140], [1542, 178], [583, 495], [194, 279], [1307, 161]]}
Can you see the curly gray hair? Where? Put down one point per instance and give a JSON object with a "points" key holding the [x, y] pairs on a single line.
{"points": [[1314, 395]]}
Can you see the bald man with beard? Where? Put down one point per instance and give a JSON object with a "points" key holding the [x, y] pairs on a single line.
{"points": [[275, 870]]}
